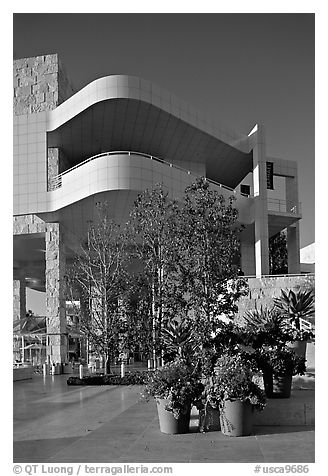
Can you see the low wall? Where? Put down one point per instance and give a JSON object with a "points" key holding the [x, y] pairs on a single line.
{"points": [[262, 291], [22, 373]]}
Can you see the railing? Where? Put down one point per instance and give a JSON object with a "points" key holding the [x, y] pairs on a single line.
{"points": [[300, 275], [277, 205], [56, 182], [306, 325]]}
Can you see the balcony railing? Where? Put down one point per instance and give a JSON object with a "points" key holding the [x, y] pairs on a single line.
{"points": [[277, 205], [56, 182]]}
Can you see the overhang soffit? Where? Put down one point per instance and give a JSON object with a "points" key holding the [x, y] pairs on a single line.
{"points": [[126, 87]]}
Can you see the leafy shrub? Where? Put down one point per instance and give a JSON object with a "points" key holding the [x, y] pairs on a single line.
{"points": [[177, 382], [281, 361], [130, 378], [233, 380]]}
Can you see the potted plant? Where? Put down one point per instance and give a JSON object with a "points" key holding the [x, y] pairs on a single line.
{"points": [[176, 387], [233, 391], [279, 365], [297, 307]]}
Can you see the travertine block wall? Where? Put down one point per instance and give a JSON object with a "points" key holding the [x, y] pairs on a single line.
{"points": [[19, 299], [25, 224], [262, 291], [57, 163], [40, 84], [55, 297]]}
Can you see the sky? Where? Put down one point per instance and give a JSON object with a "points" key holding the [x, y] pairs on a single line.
{"points": [[242, 69]]}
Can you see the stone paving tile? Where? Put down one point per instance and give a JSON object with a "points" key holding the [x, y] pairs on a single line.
{"points": [[87, 410], [287, 446], [112, 426], [217, 448], [89, 451], [111, 440], [39, 451], [308, 431]]}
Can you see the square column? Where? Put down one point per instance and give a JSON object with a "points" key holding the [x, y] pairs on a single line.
{"points": [[260, 205], [247, 258], [57, 344], [293, 238], [19, 298], [293, 249]]}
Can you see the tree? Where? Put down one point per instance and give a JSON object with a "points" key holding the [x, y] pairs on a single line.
{"points": [[209, 253], [190, 251], [137, 301], [98, 276], [278, 254], [152, 229]]}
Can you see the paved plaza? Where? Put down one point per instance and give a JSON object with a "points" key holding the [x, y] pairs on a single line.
{"points": [[57, 423]]}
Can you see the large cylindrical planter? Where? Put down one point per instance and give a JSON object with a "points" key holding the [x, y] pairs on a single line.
{"points": [[236, 418], [170, 425], [277, 386]]}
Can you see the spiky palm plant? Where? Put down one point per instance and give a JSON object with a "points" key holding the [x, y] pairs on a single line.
{"points": [[262, 318], [178, 338], [265, 326], [295, 305]]}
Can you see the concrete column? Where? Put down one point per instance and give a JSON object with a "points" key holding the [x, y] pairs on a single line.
{"points": [[57, 347], [293, 249], [291, 187], [260, 205], [19, 298], [247, 258], [293, 239]]}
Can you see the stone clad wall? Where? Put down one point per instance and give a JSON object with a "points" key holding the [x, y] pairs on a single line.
{"points": [[57, 163], [262, 291], [25, 224], [40, 84], [16, 300], [55, 269], [19, 301], [55, 297]]}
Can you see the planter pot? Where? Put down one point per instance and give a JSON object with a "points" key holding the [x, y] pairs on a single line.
{"points": [[277, 386], [299, 347], [209, 420], [167, 423], [67, 369], [236, 418], [55, 369]]}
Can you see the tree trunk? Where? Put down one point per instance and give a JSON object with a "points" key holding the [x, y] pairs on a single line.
{"points": [[107, 365], [153, 326]]}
